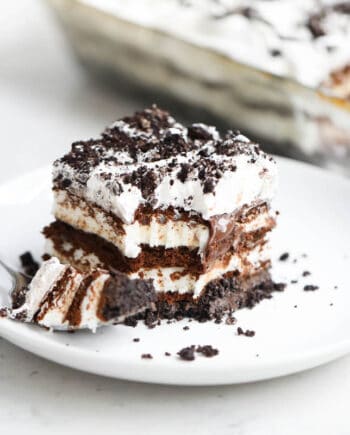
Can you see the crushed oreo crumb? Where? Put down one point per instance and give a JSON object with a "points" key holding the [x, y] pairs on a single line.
{"points": [[315, 26], [187, 353], [146, 356], [186, 328], [207, 350], [279, 286], [247, 333], [284, 256], [230, 320], [275, 52], [306, 273], [184, 171], [29, 265], [167, 353], [315, 22], [151, 320], [130, 321], [208, 186], [310, 288], [136, 340]]}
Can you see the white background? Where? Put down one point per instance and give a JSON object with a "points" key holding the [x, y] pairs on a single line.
{"points": [[46, 102]]}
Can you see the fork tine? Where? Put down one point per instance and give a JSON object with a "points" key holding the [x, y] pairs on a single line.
{"points": [[14, 273], [19, 280], [5, 266]]}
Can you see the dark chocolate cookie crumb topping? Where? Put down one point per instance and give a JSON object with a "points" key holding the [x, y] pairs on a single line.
{"points": [[207, 351], [284, 256], [247, 333], [29, 265], [146, 356], [142, 149], [310, 288], [187, 353]]}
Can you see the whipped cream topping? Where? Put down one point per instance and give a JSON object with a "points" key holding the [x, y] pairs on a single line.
{"points": [[302, 39], [151, 160]]}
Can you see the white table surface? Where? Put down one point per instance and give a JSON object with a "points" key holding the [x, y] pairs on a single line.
{"points": [[46, 102]]}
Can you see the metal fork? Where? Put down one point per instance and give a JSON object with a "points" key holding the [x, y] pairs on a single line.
{"points": [[19, 280]]}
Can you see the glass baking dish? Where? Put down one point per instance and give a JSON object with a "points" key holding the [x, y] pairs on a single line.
{"points": [[287, 117]]}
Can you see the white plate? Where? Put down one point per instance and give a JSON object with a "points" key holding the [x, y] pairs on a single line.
{"points": [[314, 220]]}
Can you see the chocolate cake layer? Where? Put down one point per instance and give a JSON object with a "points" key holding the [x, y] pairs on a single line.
{"points": [[67, 241]]}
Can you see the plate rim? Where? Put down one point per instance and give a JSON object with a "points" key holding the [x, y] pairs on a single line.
{"points": [[75, 358]]}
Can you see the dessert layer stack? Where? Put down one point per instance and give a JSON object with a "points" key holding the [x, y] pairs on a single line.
{"points": [[183, 206]]}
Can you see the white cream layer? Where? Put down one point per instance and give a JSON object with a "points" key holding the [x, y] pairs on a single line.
{"points": [[171, 234]]}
